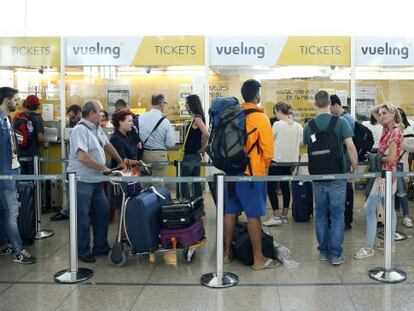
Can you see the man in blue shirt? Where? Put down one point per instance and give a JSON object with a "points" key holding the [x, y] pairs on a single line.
{"points": [[9, 206], [156, 134]]}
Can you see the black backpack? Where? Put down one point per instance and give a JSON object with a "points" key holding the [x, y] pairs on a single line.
{"points": [[363, 140], [228, 136], [323, 150]]}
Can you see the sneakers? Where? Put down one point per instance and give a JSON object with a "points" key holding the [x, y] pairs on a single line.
{"points": [[407, 222], [24, 258], [364, 252], [284, 219], [7, 250], [58, 217], [87, 258], [323, 257], [274, 221], [337, 261]]}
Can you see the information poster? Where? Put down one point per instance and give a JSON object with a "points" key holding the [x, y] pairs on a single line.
{"points": [[185, 91], [47, 112], [300, 94], [113, 95]]}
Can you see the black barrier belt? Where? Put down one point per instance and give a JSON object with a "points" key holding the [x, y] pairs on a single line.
{"points": [[153, 179], [32, 177], [43, 159], [403, 174]]}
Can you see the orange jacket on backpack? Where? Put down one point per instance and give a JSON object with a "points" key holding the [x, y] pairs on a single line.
{"points": [[262, 154]]}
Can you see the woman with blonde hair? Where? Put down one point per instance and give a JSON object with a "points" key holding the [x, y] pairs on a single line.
{"points": [[389, 152]]}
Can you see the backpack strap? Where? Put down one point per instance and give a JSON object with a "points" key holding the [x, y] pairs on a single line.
{"points": [[332, 123], [314, 128]]}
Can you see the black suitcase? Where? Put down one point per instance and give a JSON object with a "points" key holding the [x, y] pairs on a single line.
{"points": [[242, 247], [302, 201], [180, 214], [349, 204], [26, 220]]}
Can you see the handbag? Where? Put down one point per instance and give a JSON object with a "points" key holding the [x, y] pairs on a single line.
{"points": [[181, 151]]}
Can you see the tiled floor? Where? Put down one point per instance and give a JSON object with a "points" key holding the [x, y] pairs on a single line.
{"points": [[141, 285]]}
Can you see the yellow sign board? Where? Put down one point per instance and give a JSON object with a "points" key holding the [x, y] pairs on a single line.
{"points": [[30, 51], [170, 51], [322, 51]]}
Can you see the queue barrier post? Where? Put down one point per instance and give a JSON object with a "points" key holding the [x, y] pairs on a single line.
{"points": [[178, 190], [74, 274], [219, 279], [40, 234], [388, 274]]}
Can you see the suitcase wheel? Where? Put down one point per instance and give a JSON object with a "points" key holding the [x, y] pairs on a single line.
{"points": [[117, 257], [189, 254]]}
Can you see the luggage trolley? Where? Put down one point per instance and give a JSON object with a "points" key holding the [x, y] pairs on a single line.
{"points": [[117, 256]]}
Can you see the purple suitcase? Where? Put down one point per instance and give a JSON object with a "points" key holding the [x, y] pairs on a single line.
{"points": [[185, 236]]}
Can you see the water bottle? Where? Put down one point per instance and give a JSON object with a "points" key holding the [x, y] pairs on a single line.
{"points": [[30, 127]]}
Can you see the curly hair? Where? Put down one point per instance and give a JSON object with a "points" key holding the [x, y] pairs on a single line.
{"points": [[119, 117]]}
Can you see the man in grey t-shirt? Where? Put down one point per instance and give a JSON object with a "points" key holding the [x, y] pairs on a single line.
{"points": [[88, 144]]}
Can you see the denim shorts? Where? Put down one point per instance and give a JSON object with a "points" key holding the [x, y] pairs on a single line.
{"points": [[249, 197]]}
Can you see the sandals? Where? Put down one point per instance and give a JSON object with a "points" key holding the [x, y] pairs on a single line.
{"points": [[227, 260], [364, 252], [268, 264]]}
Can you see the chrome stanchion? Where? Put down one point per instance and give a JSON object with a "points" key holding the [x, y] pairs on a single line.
{"points": [[74, 274], [219, 279], [40, 234], [388, 274], [178, 164]]}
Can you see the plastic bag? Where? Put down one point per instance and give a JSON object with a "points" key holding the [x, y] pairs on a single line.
{"points": [[282, 254]]}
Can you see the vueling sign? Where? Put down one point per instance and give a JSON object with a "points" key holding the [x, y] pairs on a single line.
{"points": [[30, 51], [126, 51], [387, 51], [98, 49], [270, 51]]}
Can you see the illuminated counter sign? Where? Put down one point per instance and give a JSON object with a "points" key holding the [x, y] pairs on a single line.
{"points": [[384, 51], [270, 51], [138, 51], [30, 51]]}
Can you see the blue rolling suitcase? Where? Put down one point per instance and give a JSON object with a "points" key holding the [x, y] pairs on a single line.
{"points": [[302, 201], [142, 219]]}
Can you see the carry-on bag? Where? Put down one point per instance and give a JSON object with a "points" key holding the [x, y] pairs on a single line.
{"points": [[180, 214], [302, 201], [242, 246], [26, 220], [142, 219], [349, 204], [185, 237]]}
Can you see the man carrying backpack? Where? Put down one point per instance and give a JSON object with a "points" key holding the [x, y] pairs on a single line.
{"points": [[246, 196], [29, 130], [325, 137]]}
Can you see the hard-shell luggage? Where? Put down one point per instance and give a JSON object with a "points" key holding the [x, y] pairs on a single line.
{"points": [[185, 237], [182, 214], [52, 195], [142, 218], [302, 201], [26, 220], [242, 246], [349, 204]]}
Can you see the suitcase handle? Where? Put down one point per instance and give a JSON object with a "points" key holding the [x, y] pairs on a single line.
{"points": [[153, 189]]}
